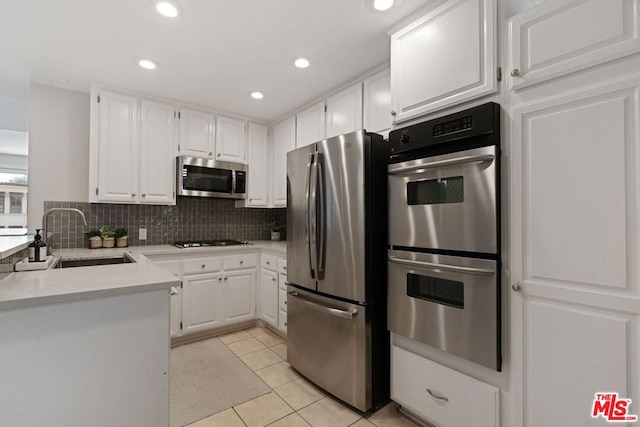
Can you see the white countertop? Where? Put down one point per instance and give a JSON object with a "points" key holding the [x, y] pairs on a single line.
{"points": [[31, 288], [9, 245]]}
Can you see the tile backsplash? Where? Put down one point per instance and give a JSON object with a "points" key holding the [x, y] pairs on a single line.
{"points": [[191, 218], [6, 264]]}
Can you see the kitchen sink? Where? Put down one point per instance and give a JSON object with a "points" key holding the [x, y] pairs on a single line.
{"points": [[68, 263]]}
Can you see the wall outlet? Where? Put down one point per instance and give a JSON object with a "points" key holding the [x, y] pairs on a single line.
{"points": [[142, 234]]}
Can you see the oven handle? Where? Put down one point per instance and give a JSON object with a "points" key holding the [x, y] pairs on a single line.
{"points": [[446, 267], [323, 308], [440, 163]]}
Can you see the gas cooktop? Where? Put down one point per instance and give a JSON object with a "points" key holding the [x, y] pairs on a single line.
{"points": [[203, 243]]}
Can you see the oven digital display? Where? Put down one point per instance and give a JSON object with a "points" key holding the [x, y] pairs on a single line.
{"points": [[434, 289], [436, 191], [453, 126]]}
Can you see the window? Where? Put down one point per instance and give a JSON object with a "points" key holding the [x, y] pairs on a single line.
{"points": [[15, 202]]}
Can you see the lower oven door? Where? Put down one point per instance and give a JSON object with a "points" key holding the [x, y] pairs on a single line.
{"points": [[328, 341], [450, 303], [446, 202]]}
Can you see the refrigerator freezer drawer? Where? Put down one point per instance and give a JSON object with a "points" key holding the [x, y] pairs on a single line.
{"points": [[328, 342]]}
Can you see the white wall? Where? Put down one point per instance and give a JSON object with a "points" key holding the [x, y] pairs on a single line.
{"points": [[58, 148]]}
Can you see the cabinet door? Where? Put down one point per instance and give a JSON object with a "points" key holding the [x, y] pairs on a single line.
{"points": [[344, 111], [118, 148], [258, 190], [269, 297], [377, 103], [231, 141], [201, 302], [196, 133], [157, 148], [284, 140], [173, 267], [575, 243], [239, 295], [536, 55], [310, 125], [444, 58]]}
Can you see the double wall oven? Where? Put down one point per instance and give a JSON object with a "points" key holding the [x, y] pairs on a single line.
{"points": [[444, 234]]}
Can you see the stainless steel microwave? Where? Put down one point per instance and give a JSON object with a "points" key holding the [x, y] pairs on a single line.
{"points": [[209, 178]]}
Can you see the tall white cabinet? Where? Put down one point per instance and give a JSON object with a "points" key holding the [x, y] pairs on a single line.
{"points": [[344, 111], [377, 103], [284, 140], [445, 57], [575, 189], [258, 159]]}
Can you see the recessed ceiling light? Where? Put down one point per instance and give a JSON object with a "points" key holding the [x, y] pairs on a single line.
{"points": [[256, 94], [382, 4], [169, 9], [147, 64], [301, 62]]}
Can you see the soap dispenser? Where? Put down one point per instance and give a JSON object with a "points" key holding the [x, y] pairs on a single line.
{"points": [[37, 248]]}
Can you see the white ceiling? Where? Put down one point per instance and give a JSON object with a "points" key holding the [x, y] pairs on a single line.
{"points": [[212, 55]]}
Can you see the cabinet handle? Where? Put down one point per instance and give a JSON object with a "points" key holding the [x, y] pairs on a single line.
{"points": [[393, 113], [219, 279], [241, 262], [516, 287], [285, 302], [225, 279], [285, 323], [437, 396], [251, 200], [143, 195], [133, 194], [515, 72], [268, 262], [218, 154], [273, 279], [284, 267], [203, 266]]}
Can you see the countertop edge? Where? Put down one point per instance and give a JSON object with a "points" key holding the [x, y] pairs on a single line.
{"points": [[8, 249]]}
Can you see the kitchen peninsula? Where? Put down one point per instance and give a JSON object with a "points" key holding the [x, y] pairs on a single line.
{"points": [[86, 346]]}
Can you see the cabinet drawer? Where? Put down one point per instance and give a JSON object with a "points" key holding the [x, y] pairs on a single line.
{"points": [[441, 395], [282, 266], [237, 262], [270, 262], [202, 265], [282, 300], [282, 321]]}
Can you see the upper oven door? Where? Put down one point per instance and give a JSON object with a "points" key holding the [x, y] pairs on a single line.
{"points": [[445, 202]]}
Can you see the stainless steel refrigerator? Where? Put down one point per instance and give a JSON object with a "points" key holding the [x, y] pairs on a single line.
{"points": [[336, 267]]}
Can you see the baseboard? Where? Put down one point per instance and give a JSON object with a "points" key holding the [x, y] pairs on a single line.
{"points": [[413, 417], [210, 333]]}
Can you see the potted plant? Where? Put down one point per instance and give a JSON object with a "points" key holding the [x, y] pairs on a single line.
{"points": [[108, 239], [95, 239], [274, 227], [122, 240]]}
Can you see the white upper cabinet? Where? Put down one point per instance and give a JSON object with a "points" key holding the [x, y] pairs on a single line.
{"points": [[258, 178], [196, 133], [377, 103], [344, 111], [231, 140], [310, 125], [564, 36], [157, 148], [118, 148], [445, 57], [284, 140]]}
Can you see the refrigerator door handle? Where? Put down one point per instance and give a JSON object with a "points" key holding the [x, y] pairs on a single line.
{"points": [[321, 216], [312, 214], [323, 308]]}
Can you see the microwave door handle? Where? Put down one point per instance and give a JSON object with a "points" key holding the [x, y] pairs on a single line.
{"points": [[233, 181], [322, 215], [425, 164], [310, 214], [446, 267]]}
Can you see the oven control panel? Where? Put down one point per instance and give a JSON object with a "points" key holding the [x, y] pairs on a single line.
{"points": [[475, 127], [453, 126]]}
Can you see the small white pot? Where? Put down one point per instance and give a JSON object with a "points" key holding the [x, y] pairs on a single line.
{"points": [[122, 242], [95, 242], [108, 242], [275, 236]]}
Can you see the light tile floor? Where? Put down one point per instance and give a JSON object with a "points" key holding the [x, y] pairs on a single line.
{"points": [[293, 402]]}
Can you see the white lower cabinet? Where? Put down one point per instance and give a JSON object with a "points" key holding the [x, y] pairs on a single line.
{"points": [[439, 395], [201, 301], [239, 295], [269, 296], [174, 267]]}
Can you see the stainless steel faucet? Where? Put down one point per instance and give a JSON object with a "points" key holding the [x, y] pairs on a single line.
{"points": [[45, 216]]}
